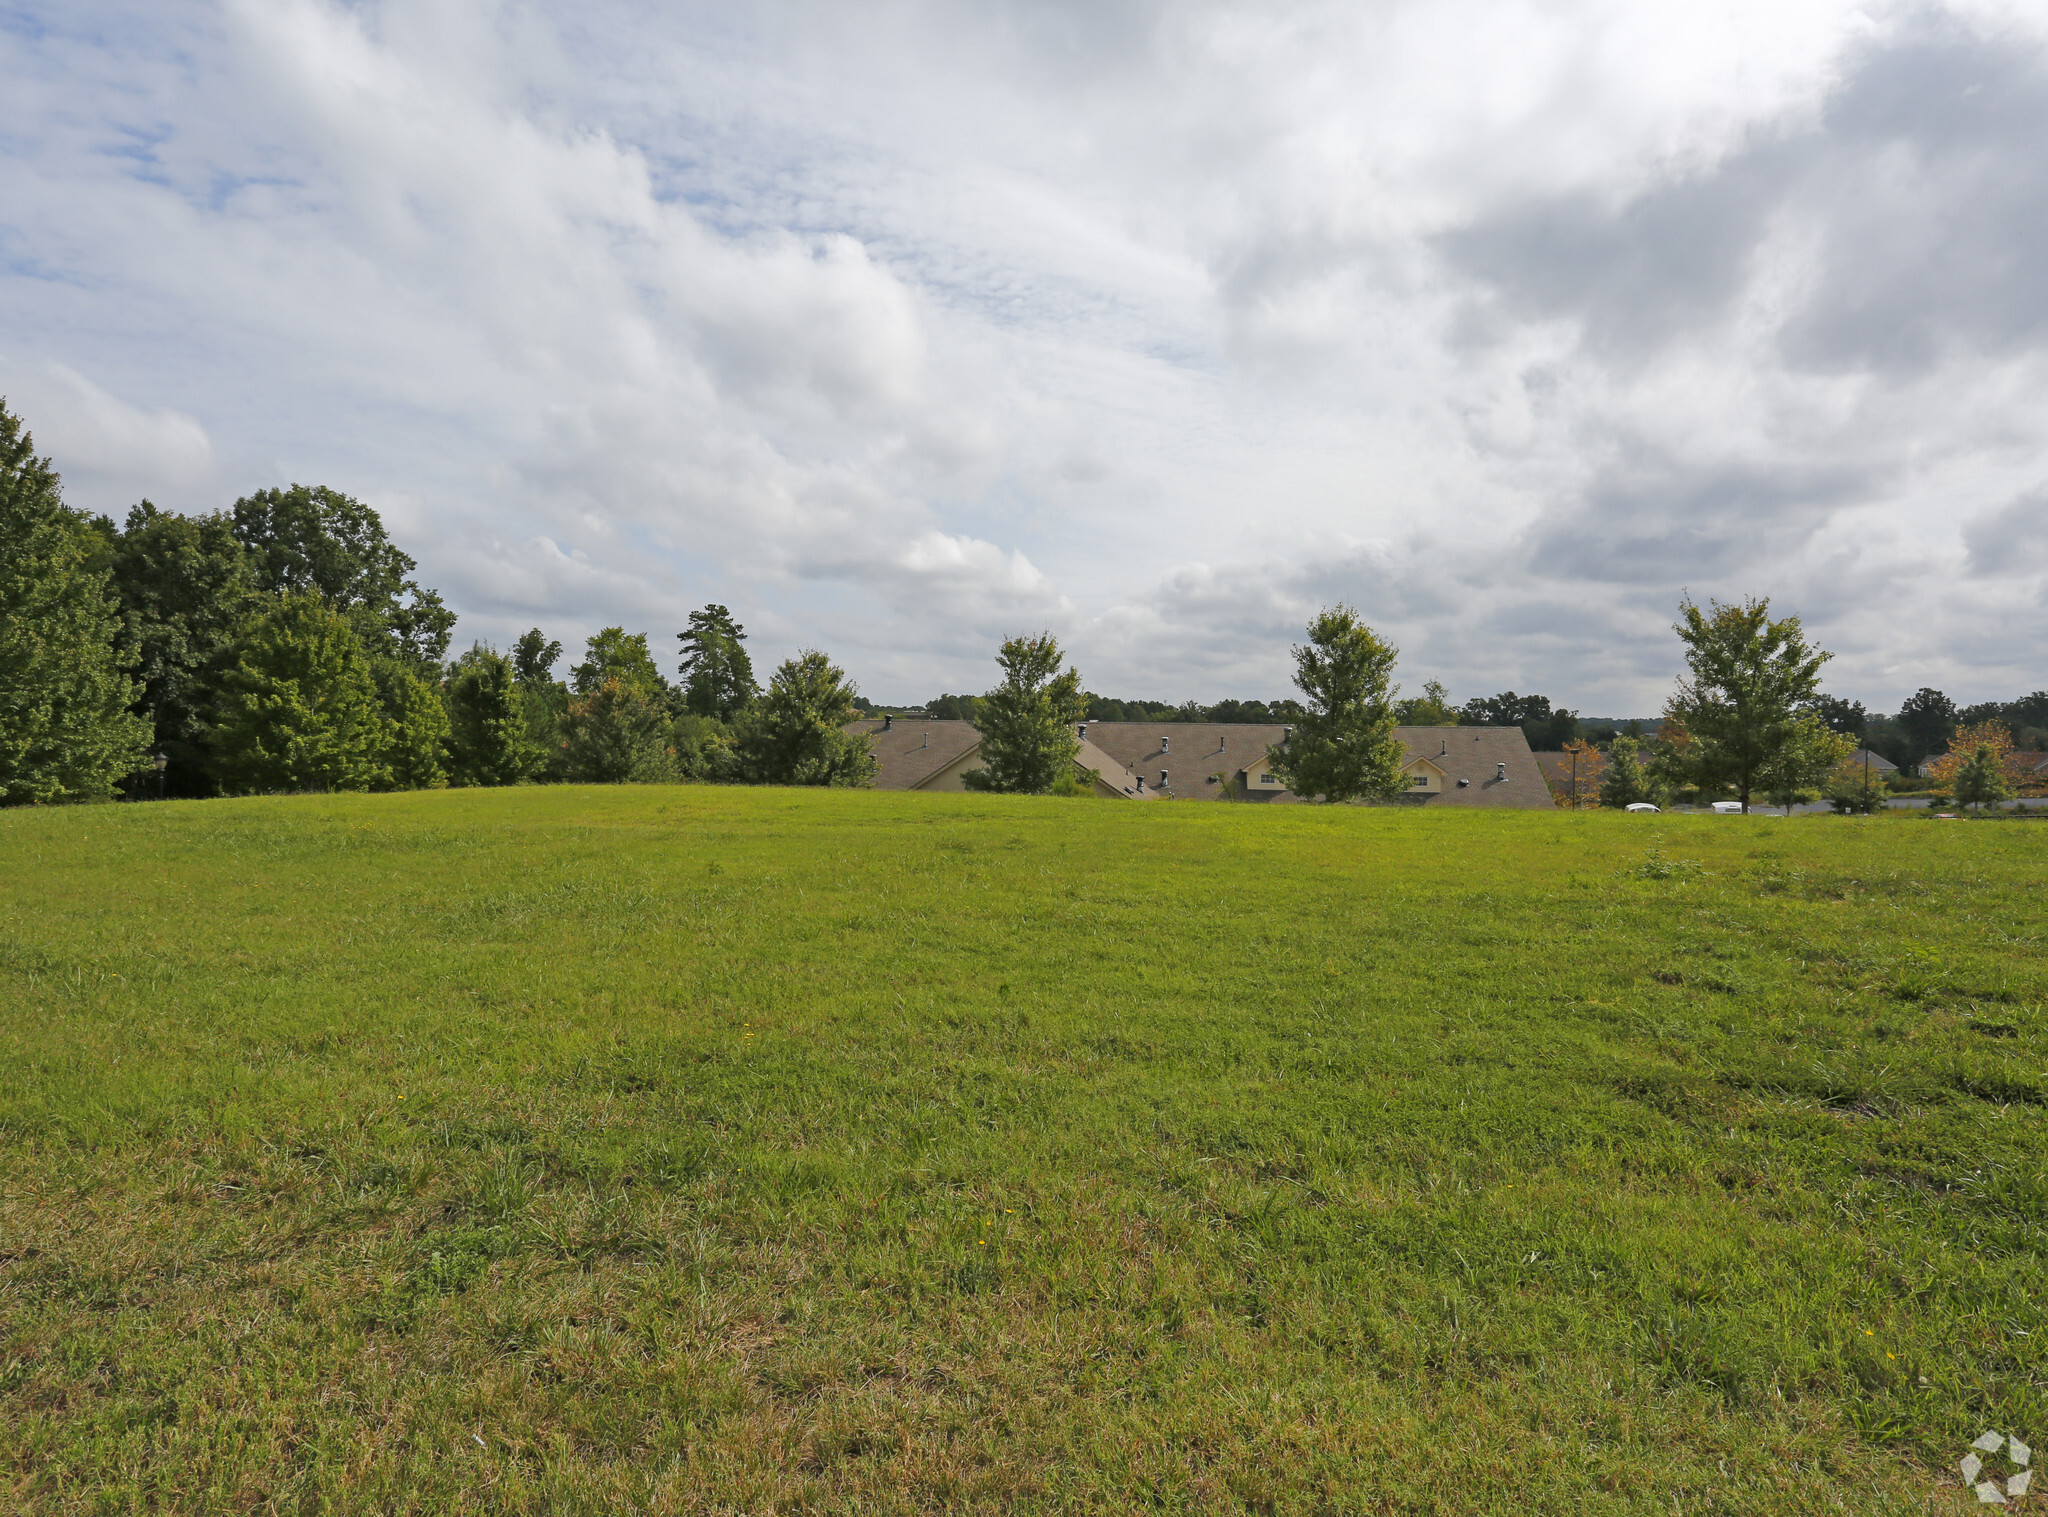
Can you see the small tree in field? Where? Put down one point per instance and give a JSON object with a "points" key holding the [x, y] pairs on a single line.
{"points": [[1737, 719], [1028, 722], [1963, 747], [1854, 791], [1627, 782], [300, 710], [796, 733], [1980, 779], [1343, 747]]}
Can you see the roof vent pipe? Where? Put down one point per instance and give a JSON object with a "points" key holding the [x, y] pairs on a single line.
{"points": [[1285, 734], [888, 722], [1445, 749], [1503, 774]]}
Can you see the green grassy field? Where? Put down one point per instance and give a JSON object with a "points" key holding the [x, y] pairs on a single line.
{"points": [[709, 1150]]}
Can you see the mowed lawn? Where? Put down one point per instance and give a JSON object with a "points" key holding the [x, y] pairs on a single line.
{"points": [[649, 1150]]}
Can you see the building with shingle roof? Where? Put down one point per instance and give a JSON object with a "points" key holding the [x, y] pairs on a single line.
{"points": [[916, 753], [1208, 761]]}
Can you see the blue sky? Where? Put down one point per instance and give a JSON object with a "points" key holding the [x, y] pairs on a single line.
{"points": [[901, 327]]}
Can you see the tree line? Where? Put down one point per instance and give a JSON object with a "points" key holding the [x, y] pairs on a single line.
{"points": [[285, 644], [1546, 726]]}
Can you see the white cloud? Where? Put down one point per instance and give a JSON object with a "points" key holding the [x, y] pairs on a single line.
{"points": [[1159, 324], [104, 446]]}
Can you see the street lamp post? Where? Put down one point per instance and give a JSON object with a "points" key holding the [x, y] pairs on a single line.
{"points": [[162, 761]]}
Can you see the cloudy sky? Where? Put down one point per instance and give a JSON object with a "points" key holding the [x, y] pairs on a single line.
{"points": [[897, 327]]}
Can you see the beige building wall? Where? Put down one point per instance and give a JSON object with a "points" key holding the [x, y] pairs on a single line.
{"points": [[950, 777]]}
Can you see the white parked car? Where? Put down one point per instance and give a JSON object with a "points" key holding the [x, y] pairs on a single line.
{"points": [[1727, 808], [1640, 806]]}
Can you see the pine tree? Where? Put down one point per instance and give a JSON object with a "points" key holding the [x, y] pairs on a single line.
{"points": [[718, 677], [1343, 747], [301, 710], [1625, 782], [66, 732], [487, 740], [417, 725]]}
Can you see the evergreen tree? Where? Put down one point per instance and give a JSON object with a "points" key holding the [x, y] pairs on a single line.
{"points": [[488, 741], [187, 587], [718, 677], [301, 708], [1626, 782], [614, 733], [1738, 718], [796, 733], [66, 732], [416, 724], [1028, 722], [1343, 747]]}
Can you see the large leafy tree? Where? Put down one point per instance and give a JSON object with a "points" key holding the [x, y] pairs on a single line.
{"points": [[718, 677], [796, 733], [1928, 718], [1740, 716], [534, 657], [301, 709], [1840, 715], [1432, 708], [308, 537], [615, 656], [1799, 770], [66, 732], [488, 741], [1548, 729], [1028, 721], [187, 588], [1343, 747]]}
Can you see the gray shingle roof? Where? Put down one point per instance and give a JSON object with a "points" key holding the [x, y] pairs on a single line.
{"points": [[915, 749], [1189, 753]]}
